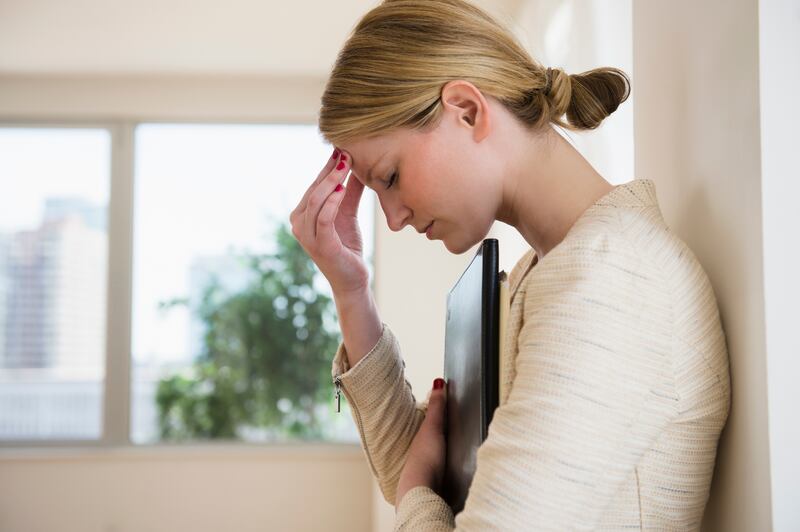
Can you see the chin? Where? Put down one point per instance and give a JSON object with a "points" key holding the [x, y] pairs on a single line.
{"points": [[459, 242], [458, 248]]}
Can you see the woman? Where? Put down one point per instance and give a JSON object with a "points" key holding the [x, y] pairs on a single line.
{"points": [[618, 367]]}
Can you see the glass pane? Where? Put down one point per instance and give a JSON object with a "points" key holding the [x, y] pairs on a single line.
{"points": [[233, 326], [54, 187]]}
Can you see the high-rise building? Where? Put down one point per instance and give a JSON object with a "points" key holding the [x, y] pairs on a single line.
{"points": [[55, 290]]}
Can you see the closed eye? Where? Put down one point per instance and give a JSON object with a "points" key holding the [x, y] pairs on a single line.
{"points": [[392, 180]]}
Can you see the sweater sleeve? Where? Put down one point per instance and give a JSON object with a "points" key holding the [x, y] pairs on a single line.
{"points": [[594, 388], [383, 407]]}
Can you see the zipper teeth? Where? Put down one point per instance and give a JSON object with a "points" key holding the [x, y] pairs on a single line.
{"points": [[338, 381]]}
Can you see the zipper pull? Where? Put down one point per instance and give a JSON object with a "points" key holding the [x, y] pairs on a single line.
{"points": [[337, 380]]}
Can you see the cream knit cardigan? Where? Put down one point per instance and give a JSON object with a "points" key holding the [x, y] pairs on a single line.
{"points": [[617, 388]]}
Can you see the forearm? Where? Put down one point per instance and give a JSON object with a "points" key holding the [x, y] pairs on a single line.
{"points": [[383, 405], [360, 323]]}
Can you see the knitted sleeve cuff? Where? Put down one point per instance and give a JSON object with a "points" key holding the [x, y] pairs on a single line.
{"points": [[421, 509], [380, 360]]}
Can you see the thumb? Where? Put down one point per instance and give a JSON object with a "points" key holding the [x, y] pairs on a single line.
{"points": [[437, 404]]}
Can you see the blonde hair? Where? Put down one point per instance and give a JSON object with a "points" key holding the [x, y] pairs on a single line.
{"points": [[390, 73]]}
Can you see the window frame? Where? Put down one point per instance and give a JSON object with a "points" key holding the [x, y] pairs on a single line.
{"points": [[116, 401]]}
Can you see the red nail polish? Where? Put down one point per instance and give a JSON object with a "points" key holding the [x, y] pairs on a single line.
{"points": [[335, 154], [344, 156], [338, 187], [340, 165], [438, 383]]}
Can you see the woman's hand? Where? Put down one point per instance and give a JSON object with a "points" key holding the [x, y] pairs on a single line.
{"points": [[325, 225], [425, 463]]}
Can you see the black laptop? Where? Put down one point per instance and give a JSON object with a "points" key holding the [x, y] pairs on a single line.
{"points": [[471, 368]]}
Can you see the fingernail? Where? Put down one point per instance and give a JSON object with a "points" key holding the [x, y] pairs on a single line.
{"points": [[338, 188], [438, 383], [344, 156], [335, 154], [340, 165]]}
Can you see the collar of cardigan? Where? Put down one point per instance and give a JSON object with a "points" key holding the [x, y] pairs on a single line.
{"points": [[636, 193]]}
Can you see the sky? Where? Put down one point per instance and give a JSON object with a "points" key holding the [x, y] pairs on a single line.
{"points": [[55, 162]]}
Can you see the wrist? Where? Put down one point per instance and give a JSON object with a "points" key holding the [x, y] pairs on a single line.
{"points": [[360, 323], [401, 492], [355, 296]]}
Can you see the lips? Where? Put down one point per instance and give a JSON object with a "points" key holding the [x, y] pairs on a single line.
{"points": [[424, 229]]}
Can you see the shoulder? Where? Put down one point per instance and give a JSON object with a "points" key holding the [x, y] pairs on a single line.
{"points": [[597, 269], [599, 302], [594, 248]]}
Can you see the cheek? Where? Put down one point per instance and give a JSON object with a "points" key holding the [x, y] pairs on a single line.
{"points": [[458, 172], [431, 171], [444, 185]]}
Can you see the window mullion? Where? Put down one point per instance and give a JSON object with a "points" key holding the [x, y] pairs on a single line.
{"points": [[117, 396]]}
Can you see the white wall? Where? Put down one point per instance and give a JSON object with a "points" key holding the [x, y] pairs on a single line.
{"points": [[203, 37], [779, 67], [698, 136], [146, 37]]}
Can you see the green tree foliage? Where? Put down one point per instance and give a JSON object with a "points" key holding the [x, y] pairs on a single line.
{"points": [[265, 362]]}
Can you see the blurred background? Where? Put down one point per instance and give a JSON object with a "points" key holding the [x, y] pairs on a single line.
{"points": [[165, 344]]}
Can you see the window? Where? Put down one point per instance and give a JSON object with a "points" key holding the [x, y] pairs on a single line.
{"points": [[53, 263], [231, 327]]}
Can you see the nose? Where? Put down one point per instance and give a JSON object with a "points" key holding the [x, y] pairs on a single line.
{"points": [[397, 215]]}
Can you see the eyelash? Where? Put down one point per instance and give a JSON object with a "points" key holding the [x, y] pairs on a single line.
{"points": [[392, 180]]}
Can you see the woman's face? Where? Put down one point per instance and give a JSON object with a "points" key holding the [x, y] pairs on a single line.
{"points": [[440, 177]]}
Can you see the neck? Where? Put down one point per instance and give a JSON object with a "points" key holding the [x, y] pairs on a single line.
{"points": [[547, 188]]}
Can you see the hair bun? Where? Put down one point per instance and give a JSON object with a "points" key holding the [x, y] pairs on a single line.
{"points": [[548, 76]]}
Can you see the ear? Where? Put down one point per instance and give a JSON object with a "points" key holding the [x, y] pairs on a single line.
{"points": [[469, 106]]}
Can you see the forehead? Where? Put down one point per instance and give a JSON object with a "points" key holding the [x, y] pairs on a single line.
{"points": [[370, 154]]}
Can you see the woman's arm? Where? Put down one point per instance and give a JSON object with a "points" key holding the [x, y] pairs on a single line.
{"points": [[383, 407], [359, 321]]}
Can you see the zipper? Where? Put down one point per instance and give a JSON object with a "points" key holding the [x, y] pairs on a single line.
{"points": [[337, 380]]}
